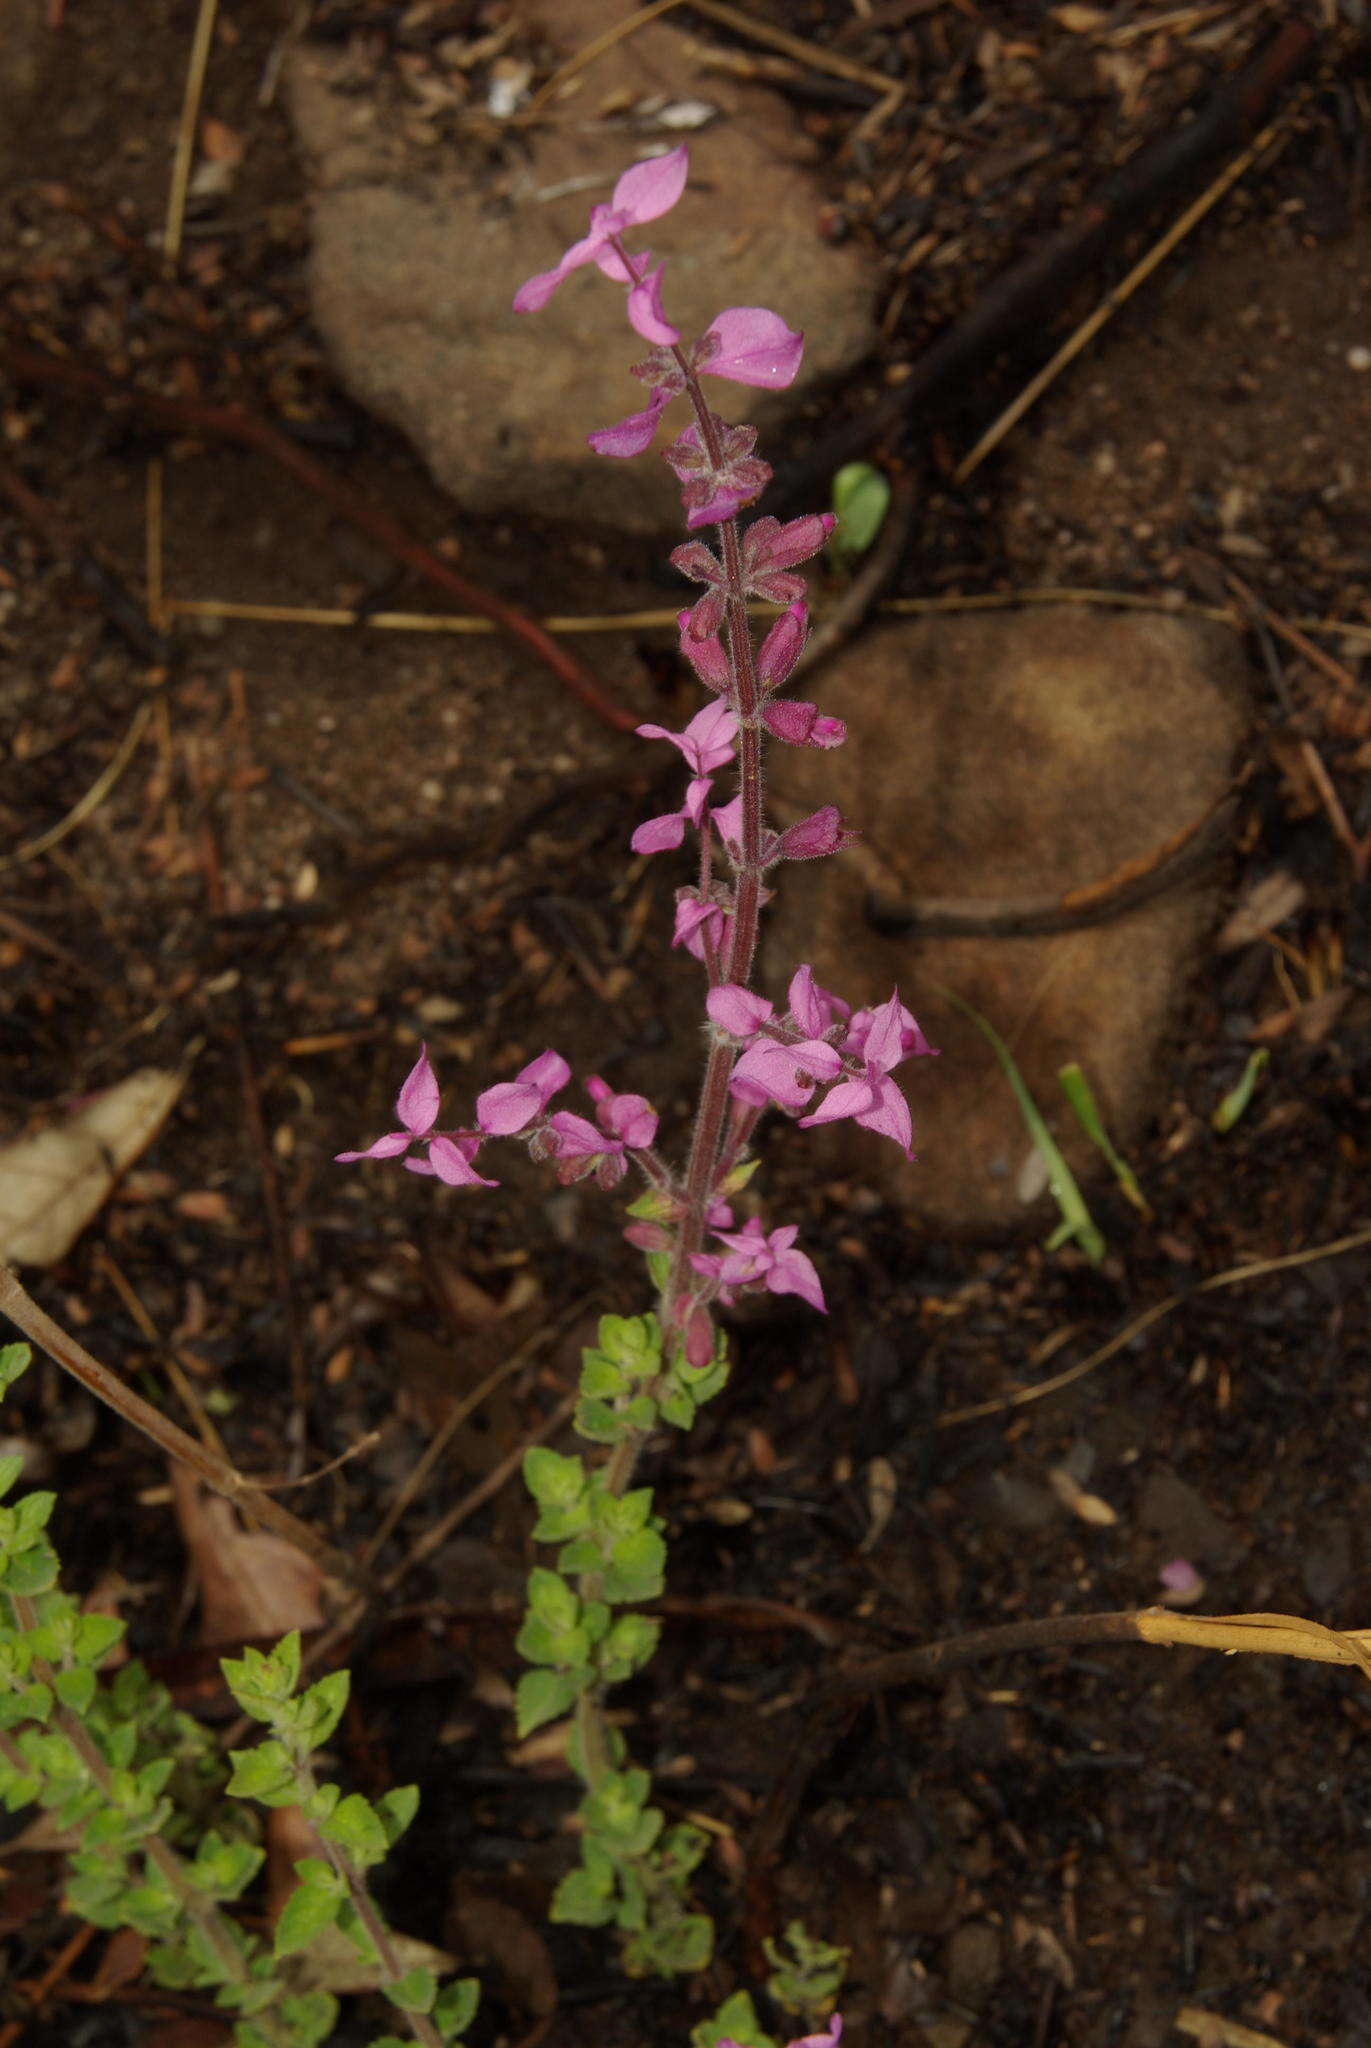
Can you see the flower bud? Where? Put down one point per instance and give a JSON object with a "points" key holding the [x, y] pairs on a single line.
{"points": [[822, 832]]}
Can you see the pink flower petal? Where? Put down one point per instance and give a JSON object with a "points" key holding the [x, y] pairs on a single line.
{"points": [[645, 313], [417, 1103], [629, 436], [651, 188], [754, 347]]}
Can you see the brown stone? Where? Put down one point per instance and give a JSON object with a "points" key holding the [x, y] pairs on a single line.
{"points": [[1000, 755], [418, 250]]}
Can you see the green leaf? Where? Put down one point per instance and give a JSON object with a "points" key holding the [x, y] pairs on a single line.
{"points": [[30, 1572], [32, 1514], [415, 1991], [551, 1599], [543, 1696], [311, 1907], [581, 1555], [579, 1902], [635, 1568], [628, 1646], [736, 2020], [396, 1809], [599, 1422], [357, 1830], [659, 1269], [860, 501], [321, 1708], [264, 1773], [1077, 1220], [1081, 1096], [96, 1635], [554, 1480], [75, 1689], [677, 1407], [14, 1361], [555, 1525], [455, 2007], [1236, 1102], [224, 1869], [311, 2017]]}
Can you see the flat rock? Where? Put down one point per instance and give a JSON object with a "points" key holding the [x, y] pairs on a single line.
{"points": [[420, 244], [1018, 754]]}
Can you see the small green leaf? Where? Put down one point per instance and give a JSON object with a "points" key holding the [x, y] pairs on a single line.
{"points": [[96, 1635], [415, 1991], [551, 1599], [396, 1809], [30, 1572], [455, 2007], [736, 2020], [1081, 1096], [321, 1708], [860, 501], [580, 1903], [357, 1830], [636, 1567], [76, 1689], [554, 1480], [1238, 1098], [14, 1361], [310, 2016], [543, 1696], [1077, 1220], [264, 1773], [311, 1907]]}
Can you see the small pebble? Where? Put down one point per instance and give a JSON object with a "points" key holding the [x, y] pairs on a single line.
{"points": [[1359, 358]]}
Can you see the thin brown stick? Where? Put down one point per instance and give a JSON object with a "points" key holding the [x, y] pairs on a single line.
{"points": [[91, 801], [1233, 1276], [185, 132], [37, 1325], [251, 430], [1277, 1635], [1275, 132]]}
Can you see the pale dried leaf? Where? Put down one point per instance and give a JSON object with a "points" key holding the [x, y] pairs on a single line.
{"points": [[331, 1963], [1088, 1506], [1265, 905], [251, 1584], [54, 1181], [882, 1491]]}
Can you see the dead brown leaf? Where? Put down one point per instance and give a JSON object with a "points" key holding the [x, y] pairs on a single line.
{"points": [[55, 1180], [251, 1584]]}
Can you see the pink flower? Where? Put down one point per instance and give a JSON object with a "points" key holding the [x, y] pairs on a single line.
{"points": [[645, 313], [755, 1257], [632, 435], [873, 1100], [623, 1123], [700, 921], [707, 744], [773, 1068], [510, 1106], [644, 192], [450, 1153]]}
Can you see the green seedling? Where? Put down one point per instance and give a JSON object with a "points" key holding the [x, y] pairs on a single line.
{"points": [[1080, 1095], [860, 501], [1236, 1102], [1076, 1219]]}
